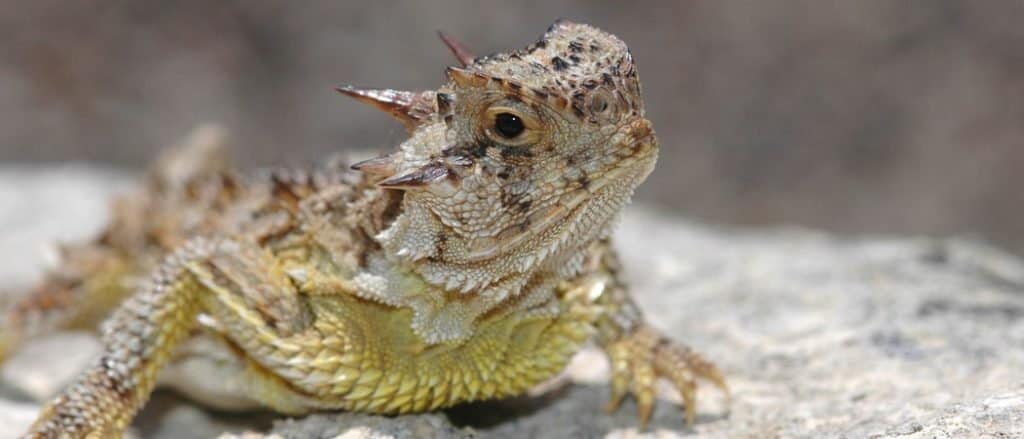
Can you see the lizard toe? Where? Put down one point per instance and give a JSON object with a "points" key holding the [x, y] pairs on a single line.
{"points": [[644, 356]]}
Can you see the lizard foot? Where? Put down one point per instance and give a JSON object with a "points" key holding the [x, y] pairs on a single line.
{"points": [[640, 358]]}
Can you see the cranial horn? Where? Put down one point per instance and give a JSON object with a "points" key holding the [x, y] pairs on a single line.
{"points": [[379, 166], [463, 54], [402, 105], [433, 177], [467, 78], [417, 177]]}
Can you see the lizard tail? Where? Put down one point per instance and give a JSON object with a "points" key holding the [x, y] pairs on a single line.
{"points": [[77, 296]]}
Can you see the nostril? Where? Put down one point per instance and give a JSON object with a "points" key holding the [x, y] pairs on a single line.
{"points": [[641, 129]]}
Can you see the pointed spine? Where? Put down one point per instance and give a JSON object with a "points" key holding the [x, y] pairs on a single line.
{"points": [[378, 166], [463, 54], [418, 177], [406, 106]]}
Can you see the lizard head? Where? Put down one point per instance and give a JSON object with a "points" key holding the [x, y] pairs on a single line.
{"points": [[519, 144]]}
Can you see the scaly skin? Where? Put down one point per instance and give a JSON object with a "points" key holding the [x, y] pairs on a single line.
{"points": [[471, 264]]}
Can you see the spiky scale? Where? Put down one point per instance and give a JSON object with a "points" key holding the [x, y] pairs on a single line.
{"points": [[458, 49]]}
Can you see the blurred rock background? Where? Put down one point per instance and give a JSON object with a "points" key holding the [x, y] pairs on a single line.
{"points": [[869, 116]]}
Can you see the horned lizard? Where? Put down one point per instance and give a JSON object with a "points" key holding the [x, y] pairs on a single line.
{"points": [[470, 264]]}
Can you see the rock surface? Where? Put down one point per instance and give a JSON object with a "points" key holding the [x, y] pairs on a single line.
{"points": [[881, 337]]}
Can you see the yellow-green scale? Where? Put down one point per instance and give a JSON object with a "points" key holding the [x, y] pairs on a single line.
{"points": [[363, 356]]}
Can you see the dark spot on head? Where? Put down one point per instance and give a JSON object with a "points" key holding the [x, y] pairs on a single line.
{"points": [[575, 59], [577, 111], [583, 181], [576, 46], [608, 80], [541, 44], [515, 151], [559, 63], [590, 84], [444, 102], [524, 205], [503, 175], [594, 47], [477, 150]]}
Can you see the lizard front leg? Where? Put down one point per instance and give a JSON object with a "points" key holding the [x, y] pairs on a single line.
{"points": [[138, 339], [639, 353], [225, 277]]}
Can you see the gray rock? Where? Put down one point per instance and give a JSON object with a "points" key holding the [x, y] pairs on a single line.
{"points": [[885, 337], [15, 417], [41, 205], [41, 368]]}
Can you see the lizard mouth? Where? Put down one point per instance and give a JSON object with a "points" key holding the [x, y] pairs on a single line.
{"points": [[629, 172]]}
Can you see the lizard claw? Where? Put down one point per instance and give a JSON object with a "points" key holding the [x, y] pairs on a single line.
{"points": [[639, 359]]}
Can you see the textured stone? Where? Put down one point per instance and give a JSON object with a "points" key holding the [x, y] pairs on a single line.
{"points": [[886, 337], [43, 367], [15, 417]]}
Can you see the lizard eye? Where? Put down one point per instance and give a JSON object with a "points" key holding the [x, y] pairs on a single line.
{"points": [[508, 125], [511, 126]]}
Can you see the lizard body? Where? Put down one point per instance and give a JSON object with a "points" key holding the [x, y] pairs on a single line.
{"points": [[470, 264]]}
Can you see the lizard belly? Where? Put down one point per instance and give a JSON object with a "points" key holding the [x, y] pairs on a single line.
{"points": [[363, 356]]}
